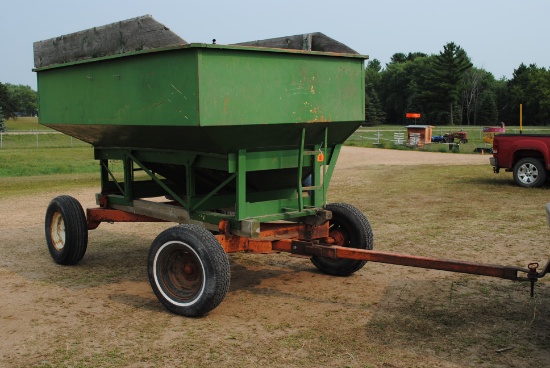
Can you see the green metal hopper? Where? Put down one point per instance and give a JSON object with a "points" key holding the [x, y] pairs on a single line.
{"points": [[192, 113], [205, 98]]}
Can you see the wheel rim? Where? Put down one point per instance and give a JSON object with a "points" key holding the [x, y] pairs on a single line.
{"points": [[57, 231], [179, 273], [528, 173]]}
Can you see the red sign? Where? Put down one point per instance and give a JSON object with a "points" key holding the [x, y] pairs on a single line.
{"points": [[412, 115]]}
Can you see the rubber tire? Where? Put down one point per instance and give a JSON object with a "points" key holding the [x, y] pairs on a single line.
{"points": [[66, 230], [196, 249], [532, 164], [357, 233]]}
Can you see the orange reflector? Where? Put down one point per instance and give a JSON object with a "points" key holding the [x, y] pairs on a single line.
{"points": [[320, 157]]}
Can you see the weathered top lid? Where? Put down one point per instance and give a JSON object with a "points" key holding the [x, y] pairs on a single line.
{"points": [[310, 41], [134, 34]]}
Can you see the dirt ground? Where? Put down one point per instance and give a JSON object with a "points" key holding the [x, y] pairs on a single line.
{"points": [[279, 311]]}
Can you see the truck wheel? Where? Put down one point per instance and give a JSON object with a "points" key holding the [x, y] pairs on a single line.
{"points": [[188, 270], [349, 228], [529, 172], [66, 230]]}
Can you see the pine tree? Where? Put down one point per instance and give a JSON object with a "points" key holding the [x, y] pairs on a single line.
{"points": [[487, 111], [374, 114], [448, 70]]}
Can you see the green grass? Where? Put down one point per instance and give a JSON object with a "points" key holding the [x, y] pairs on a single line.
{"points": [[44, 161], [25, 140], [29, 171], [29, 185], [25, 123]]}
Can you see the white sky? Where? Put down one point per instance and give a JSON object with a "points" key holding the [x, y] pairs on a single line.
{"points": [[498, 35]]}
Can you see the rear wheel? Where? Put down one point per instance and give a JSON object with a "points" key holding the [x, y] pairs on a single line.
{"points": [[188, 270], [529, 172], [349, 228], [66, 230]]}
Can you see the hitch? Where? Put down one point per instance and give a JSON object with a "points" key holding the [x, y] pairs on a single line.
{"points": [[533, 275]]}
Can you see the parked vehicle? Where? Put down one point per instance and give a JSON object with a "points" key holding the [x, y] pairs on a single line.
{"points": [[527, 156], [461, 137], [438, 139]]}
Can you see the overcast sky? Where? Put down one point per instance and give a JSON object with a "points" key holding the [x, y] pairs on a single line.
{"points": [[498, 35]]}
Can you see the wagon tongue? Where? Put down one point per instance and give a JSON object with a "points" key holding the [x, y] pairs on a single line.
{"points": [[484, 269]]}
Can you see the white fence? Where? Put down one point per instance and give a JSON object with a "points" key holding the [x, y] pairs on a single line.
{"points": [[37, 139]]}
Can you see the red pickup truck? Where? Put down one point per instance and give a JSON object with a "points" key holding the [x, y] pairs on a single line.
{"points": [[526, 155]]}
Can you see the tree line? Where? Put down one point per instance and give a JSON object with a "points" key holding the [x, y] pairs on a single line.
{"points": [[17, 100], [446, 89]]}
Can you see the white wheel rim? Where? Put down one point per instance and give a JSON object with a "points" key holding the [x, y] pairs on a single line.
{"points": [[57, 231]]}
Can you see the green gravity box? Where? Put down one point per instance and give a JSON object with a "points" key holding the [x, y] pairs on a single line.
{"points": [[203, 97], [263, 105]]}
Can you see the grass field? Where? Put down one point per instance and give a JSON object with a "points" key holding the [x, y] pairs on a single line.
{"points": [[25, 124]]}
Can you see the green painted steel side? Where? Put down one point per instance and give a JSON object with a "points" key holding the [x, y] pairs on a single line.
{"points": [[238, 87], [159, 89], [205, 98]]}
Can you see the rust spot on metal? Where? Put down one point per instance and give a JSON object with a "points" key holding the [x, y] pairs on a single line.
{"points": [[225, 104]]}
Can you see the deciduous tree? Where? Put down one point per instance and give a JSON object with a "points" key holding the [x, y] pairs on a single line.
{"points": [[23, 98], [6, 103]]}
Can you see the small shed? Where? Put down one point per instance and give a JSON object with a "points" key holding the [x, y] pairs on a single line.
{"points": [[419, 134]]}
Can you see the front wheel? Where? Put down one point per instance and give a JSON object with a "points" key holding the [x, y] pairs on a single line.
{"points": [[66, 230], [529, 172], [349, 228], [188, 270]]}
